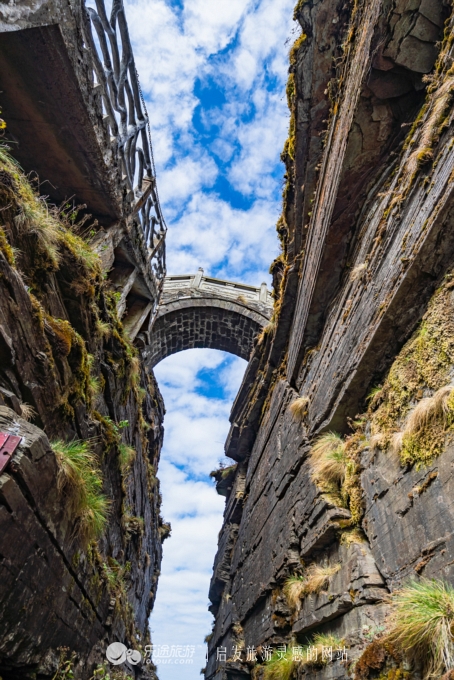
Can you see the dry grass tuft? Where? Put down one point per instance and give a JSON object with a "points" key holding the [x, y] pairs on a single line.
{"points": [[36, 219], [423, 625], [266, 330], [396, 442], [294, 591], [317, 577], [427, 410], [358, 271], [430, 129], [27, 412], [299, 408], [314, 580], [237, 629], [376, 440], [431, 414], [328, 459]]}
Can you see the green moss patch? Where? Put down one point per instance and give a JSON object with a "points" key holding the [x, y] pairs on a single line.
{"points": [[423, 365]]}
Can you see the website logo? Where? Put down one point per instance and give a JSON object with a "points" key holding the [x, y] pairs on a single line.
{"points": [[117, 653]]}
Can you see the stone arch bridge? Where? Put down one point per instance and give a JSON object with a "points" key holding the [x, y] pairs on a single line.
{"points": [[200, 311]]}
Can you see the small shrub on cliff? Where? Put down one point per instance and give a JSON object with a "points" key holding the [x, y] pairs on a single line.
{"points": [[284, 664], [80, 477], [103, 328], [103, 672], [424, 625], [66, 661], [126, 456], [164, 530], [281, 665], [115, 575], [328, 460], [223, 472]]}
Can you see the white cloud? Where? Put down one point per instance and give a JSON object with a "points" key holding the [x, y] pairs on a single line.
{"points": [[211, 232], [218, 173], [184, 496], [173, 48], [195, 425], [186, 178], [195, 429], [233, 375]]}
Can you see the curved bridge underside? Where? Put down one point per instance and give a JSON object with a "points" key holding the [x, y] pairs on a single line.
{"points": [[199, 311]]}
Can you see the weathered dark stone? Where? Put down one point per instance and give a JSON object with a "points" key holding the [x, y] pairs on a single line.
{"points": [[416, 55], [410, 533], [376, 246], [390, 84], [54, 591]]}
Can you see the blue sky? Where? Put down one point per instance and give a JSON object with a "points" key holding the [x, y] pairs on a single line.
{"points": [[213, 75]]}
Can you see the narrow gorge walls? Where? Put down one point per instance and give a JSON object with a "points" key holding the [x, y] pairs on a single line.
{"points": [[342, 429], [80, 529]]}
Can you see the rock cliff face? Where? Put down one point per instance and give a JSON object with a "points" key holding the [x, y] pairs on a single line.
{"points": [[80, 529], [362, 325]]}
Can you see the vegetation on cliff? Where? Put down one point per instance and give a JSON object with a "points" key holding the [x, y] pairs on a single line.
{"points": [[92, 397], [412, 413], [81, 481], [334, 464], [314, 579], [285, 663], [419, 634], [299, 408], [423, 625]]}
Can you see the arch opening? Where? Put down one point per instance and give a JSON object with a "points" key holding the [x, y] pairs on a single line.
{"points": [[203, 312]]}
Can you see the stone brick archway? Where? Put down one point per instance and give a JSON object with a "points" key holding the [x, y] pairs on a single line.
{"points": [[200, 311]]}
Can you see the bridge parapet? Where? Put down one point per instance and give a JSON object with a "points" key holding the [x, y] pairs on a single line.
{"points": [[199, 285]]}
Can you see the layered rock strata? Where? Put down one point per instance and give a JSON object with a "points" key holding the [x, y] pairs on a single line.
{"points": [[80, 543], [367, 252]]}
